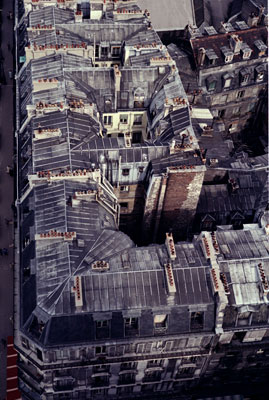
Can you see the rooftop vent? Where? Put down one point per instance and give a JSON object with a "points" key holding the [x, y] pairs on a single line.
{"points": [[100, 266], [241, 25], [77, 289], [170, 245], [210, 30], [170, 278], [261, 46]]}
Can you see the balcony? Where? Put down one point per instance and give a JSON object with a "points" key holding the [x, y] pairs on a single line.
{"points": [[63, 387], [30, 370]]}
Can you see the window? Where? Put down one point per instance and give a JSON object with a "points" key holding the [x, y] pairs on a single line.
{"points": [[236, 110], [115, 51], [97, 51], [104, 51], [136, 137], [155, 363], [131, 326], [102, 329], [124, 207], [100, 380], [39, 354], [197, 320], [140, 169], [128, 365], [125, 390], [107, 119], [221, 113], [251, 107], [160, 323], [139, 98], [123, 119], [99, 393], [243, 319], [121, 134], [126, 378], [228, 59], [151, 376], [259, 73], [100, 368], [240, 94], [260, 77], [138, 119], [227, 83], [232, 128], [24, 342], [188, 371], [212, 85], [125, 172], [100, 350], [124, 188], [102, 324], [244, 79]]}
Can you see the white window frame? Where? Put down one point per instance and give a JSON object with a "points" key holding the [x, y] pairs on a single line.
{"points": [[108, 118]]}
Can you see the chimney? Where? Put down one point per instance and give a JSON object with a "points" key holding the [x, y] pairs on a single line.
{"points": [[104, 6], [117, 77], [236, 43], [201, 57], [253, 20], [261, 13]]}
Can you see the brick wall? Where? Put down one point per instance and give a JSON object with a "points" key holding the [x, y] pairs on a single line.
{"points": [[180, 202]]}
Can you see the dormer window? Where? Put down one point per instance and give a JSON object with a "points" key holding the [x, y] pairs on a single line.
{"points": [[246, 51], [227, 80], [244, 76], [211, 83], [227, 53], [211, 56], [259, 73], [261, 47], [139, 98]]}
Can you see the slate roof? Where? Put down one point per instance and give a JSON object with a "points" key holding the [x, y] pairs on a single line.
{"points": [[166, 15], [219, 198], [243, 250], [219, 40]]}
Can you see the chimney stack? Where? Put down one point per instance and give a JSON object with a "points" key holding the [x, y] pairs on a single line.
{"points": [[253, 20], [201, 57], [236, 43], [117, 77]]}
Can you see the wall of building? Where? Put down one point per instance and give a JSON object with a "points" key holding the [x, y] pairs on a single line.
{"points": [[180, 202], [114, 126]]}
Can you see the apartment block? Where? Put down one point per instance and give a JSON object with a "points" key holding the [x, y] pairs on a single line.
{"points": [[108, 158]]}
